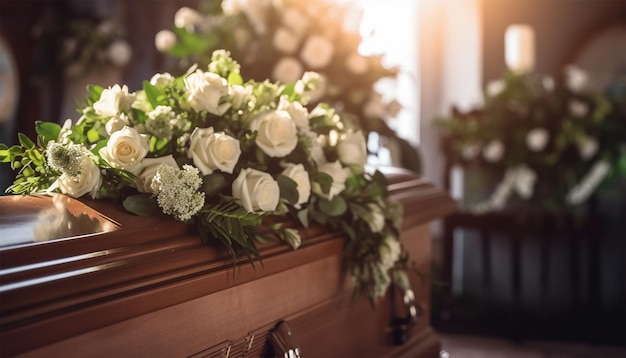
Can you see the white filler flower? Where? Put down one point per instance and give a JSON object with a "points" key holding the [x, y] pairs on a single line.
{"points": [[177, 190]]}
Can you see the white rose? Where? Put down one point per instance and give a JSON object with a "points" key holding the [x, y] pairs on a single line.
{"points": [[587, 147], [470, 151], [317, 51], [277, 134], [116, 123], [119, 53], [148, 169], [256, 190], [496, 87], [186, 18], [114, 100], [537, 139], [375, 218], [240, 96], [213, 150], [493, 151], [297, 111], [352, 149], [125, 149], [578, 108], [206, 90], [297, 173], [295, 20], [285, 41], [576, 78], [88, 181], [339, 175], [357, 64], [287, 70], [164, 40], [161, 79]]}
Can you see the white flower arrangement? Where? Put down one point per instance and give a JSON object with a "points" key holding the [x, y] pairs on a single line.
{"points": [[233, 158], [550, 141], [283, 41]]}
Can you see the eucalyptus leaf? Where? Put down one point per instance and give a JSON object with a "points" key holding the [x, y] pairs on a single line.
{"points": [[325, 181], [335, 207], [213, 184], [141, 204], [48, 130], [288, 189], [303, 216]]}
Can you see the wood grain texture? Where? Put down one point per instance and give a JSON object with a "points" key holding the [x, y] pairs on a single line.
{"points": [[153, 275]]}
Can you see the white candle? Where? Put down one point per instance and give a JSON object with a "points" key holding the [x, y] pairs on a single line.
{"points": [[520, 48]]}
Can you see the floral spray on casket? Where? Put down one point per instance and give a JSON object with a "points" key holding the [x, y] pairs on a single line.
{"points": [[228, 156]]}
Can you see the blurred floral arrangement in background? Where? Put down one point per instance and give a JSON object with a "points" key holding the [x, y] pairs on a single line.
{"points": [[282, 40], [89, 44], [232, 158], [550, 142]]}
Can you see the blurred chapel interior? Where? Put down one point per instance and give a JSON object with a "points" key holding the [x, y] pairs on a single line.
{"points": [[521, 270]]}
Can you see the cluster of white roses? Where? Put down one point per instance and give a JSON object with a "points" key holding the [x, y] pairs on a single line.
{"points": [[282, 40], [210, 149], [528, 126]]}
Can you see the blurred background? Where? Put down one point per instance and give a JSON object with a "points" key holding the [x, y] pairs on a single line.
{"points": [[516, 107]]}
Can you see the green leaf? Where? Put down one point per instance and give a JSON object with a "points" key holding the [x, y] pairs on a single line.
{"points": [[141, 204], [93, 136], [152, 93], [48, 130], [235, 79], [325, 181], [303, 216], [213, 184], [25, 141], [335, 207], [288, 189]]}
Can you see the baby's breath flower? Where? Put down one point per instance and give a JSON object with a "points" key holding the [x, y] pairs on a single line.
{"points": [[177, 191], [161, 121], [65, 158]]}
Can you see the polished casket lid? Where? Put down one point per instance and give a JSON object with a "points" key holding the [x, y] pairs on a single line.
{"points": [[63, 260]]}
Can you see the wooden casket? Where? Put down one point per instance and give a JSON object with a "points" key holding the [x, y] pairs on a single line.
{"points": [[120, 285]]}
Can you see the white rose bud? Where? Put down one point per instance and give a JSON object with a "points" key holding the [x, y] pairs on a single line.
{"points": [[161, 79], [339, 175], [125, 149], [116, 123], [493, 151], [375, 218], [357, 64], [205, 91], [297, 111], [240, 96], [148, 169], [164, 40], [256, 191], [285, 41], [186, 18], [88, 181], [213, 150], [317, 52], [114, 100], [287, 70], [537, 139], [119, 53], [297, 173], [587, 147], [277, 134], [576, 78], [352, 148]]}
